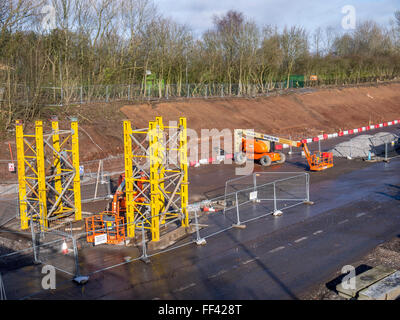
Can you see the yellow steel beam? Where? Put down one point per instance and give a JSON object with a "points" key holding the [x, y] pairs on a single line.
{"points": [[183, 162], [161, 163], [130, 217], [40, 163], [75, 163], [19, 132], [154, 186], [57, 162]]}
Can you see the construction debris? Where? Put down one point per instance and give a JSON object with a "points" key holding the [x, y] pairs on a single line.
{"points": [[365, 146]]}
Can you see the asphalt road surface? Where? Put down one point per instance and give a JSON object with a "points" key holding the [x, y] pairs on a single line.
{"points": [[357, 207]]}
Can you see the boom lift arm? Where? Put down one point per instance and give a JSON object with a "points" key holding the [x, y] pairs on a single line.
{"points": [[239, 134]]}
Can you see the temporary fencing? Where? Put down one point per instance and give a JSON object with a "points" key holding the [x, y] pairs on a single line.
{"points": [[8, 210], [60, 96], [254, 196]]}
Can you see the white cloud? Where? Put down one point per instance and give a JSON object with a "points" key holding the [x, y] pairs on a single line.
{"points": [[310, 14]]}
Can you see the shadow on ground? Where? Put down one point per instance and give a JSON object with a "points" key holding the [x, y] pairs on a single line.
{"points": [[331, 285]]}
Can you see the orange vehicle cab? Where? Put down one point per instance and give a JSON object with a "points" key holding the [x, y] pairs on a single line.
{"points": [[263, 151], [256, 149]]}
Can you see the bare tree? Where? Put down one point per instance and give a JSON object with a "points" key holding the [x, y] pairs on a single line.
{"points": [[397, 17], [294, 45]]}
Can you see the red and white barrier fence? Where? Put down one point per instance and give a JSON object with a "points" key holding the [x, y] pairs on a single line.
{"points": [[348, 132], [325, 136]]}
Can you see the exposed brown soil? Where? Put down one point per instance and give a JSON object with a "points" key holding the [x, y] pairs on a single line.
{"points": [[298, 115]]}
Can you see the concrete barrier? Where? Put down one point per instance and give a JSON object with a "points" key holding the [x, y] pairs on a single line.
{"points": [[364, 280], [386, 289]]}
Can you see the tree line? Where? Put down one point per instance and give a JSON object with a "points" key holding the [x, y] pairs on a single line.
{"points": [[90, 42]]}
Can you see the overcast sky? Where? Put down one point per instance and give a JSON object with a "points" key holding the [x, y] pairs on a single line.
{"points": [[310, 14]]}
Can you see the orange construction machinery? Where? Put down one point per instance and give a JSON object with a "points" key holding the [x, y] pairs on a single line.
{"points": [[107, 225], [111, 224], [258, 146], [318, 161], [118, 205]]}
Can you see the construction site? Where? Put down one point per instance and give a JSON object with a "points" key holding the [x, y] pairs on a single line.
{"points": [[191, 150], [139, 208]]}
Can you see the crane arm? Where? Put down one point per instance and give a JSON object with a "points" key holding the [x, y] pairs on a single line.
{"points": [[266, 137]]}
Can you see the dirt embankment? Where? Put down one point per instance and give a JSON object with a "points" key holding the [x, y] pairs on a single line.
{"points": [[298, 115]]}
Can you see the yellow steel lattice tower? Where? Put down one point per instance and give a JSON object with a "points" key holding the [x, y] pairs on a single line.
{"points": [[48, 189], [155, 176]]}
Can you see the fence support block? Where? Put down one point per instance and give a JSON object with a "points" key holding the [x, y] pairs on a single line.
{"points": [[238, 225]]}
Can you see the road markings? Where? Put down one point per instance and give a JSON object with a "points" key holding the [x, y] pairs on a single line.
{"points": [[317, 232], [184, 288], [276, 249], [360, 214], [217, 274], [248, 261], [301, 239], [344, 221]]}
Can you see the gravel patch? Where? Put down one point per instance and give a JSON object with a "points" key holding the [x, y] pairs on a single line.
{"points": [[362, 146]]}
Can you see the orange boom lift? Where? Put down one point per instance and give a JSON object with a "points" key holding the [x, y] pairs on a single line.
{"points": [[261, 147]]}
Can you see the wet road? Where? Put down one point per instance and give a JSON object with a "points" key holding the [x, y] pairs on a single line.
{"points": [[357, 207], [274, 257]]}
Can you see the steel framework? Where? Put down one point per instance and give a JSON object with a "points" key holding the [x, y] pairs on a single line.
{"points": [[48, 174], [156, 176]]}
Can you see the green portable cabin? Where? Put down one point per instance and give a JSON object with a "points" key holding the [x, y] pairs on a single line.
{"points": [[152, 83], [295, 81]]}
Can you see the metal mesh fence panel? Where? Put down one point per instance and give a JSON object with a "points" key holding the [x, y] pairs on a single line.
{"points": [[96, 190], [51, 253], [385, 144], [76, 94], [8, 210], [253, 196], [290, 191], [213, 223], [232, 186]]}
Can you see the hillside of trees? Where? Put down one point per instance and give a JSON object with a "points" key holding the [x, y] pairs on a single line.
{"points": [[118, 41]]}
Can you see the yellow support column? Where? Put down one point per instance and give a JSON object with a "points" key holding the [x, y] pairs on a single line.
{"points": [[75, 163], [19, 131], [154, 187], [57, 163], [161, 163], [41, 175], [129, 179], [184, 168]]}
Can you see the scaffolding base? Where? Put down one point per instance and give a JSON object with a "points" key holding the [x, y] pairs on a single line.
{"points": [[168, 239]]}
